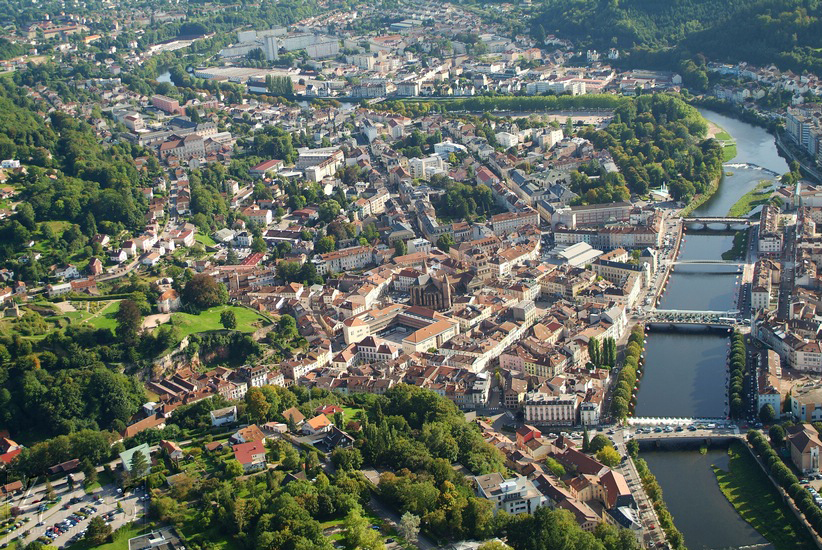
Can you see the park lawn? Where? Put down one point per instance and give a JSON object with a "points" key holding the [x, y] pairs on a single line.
{"points": [[756, 500], [208, 320], [107, 317], [350, 412], [753, 198]]}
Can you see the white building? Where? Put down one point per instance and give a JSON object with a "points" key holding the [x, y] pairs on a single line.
{"points": [[426, 167], [552, 410], [516, 495]]}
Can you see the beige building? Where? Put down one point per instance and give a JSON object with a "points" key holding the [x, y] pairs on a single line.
{"points": [[804, 444]]}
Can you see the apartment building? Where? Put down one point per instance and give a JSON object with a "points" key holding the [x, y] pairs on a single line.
{"points": [[345, 259], [552, 410], [516, 495], [770, 234]]}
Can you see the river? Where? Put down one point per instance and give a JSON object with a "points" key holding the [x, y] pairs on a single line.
{"points": [[755, 147], [686, 370], [700, 510]]}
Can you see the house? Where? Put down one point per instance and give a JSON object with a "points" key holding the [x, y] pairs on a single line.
{"points": [[335, 438], [329, 410], [67, 272], [251, 455], [248, 434], [12, 488], [221, 417], [318, 424], [95, 267], [154, 421], [118, 256], [804, 444], [293, 415], [172, 449], [168, 301], [8, 450], [65, 467], [127, 456]]}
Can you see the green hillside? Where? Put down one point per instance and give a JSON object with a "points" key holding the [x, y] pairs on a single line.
{"points": [[785, 32]]}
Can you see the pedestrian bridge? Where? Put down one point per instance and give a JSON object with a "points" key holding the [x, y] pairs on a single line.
{"points": [[641, 421], [708, 262]]}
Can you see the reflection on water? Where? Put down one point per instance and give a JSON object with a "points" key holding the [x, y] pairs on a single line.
{"points": [[700, 510]]}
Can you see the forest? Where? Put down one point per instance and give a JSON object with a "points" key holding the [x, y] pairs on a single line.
{"points": [[654, 139], [785, 32]]}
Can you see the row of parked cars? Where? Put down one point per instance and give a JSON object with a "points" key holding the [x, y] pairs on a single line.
{"points": [[816, 498], [71, 521]]}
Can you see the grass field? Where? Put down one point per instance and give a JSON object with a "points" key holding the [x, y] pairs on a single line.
{"points": [[247, 320], [729, 148], [750, 200], [204, 239], [106, 318], [119, 539], [755, 499]]}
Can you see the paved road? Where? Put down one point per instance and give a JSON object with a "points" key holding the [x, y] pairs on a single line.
{"points": [[390, 516]]}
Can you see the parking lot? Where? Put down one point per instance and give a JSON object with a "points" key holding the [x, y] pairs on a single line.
{"points": [[37, 518]]}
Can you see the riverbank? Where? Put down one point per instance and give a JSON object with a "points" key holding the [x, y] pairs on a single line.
{"points": [[728, 144], [701, 199], [757, 502], [654, 492], [750, 200]]}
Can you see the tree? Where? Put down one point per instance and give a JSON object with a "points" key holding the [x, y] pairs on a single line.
{"points": [[593, 352], [49, 490], [329, 210], [777, 435], [598, 443], [494, 545], [633, 447], [608, 456], [97, 531], [409, 527], [586, 441], [138, 465], [324, 245], [400, 248], [228, 319], [358, 534], [203, 292], [346, 459], [233, 469], [129, 320], [258, 245], [445, 241], [257, 405], [767, 414], [554, 466], [291, 461]]}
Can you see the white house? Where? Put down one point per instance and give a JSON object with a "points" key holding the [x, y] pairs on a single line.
{"points": [[221, 417]]}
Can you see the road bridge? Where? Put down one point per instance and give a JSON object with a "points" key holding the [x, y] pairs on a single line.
{"points": [[705, 222]]}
